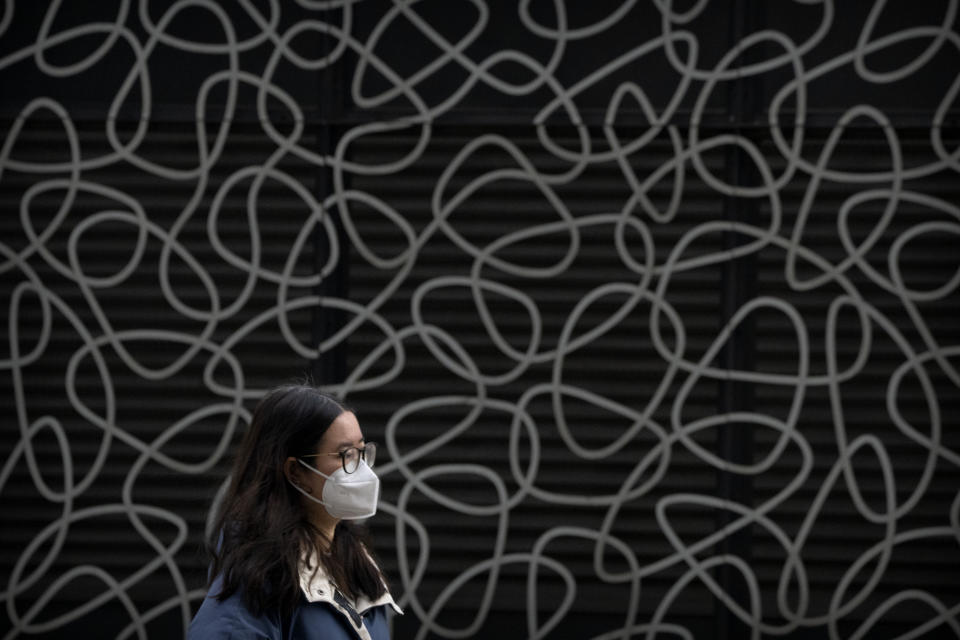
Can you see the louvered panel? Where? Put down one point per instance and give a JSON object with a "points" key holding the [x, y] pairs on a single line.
{"points": [[622, 365], [840, 534], [145, 409]]}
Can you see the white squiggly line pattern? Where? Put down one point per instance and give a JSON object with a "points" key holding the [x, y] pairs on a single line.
{"points": [[141, 31]]}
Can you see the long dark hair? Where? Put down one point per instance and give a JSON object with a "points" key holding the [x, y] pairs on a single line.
{"points": [[262, 530]]}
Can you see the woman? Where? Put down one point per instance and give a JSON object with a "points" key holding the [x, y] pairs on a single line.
{"points": [[287, 561]]}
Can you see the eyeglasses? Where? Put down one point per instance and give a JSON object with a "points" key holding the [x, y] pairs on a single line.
{"points": [[350, 458]]}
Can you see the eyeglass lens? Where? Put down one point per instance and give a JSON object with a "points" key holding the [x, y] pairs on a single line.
{"points": [[353, 455]]}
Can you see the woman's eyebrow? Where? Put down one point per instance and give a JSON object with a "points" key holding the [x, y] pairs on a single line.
{"points": [[347, 443]]}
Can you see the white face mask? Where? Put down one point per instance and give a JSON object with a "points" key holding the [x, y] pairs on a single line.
{"points": [[348, 496]]}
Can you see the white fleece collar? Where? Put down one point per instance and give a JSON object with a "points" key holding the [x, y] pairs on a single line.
{"points": [[317, 587]]}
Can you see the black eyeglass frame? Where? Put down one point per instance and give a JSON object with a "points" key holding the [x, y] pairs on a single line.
{"points": [[361, 455]]}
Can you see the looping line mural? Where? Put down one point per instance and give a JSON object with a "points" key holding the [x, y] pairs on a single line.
{"points": [[866, 307]]}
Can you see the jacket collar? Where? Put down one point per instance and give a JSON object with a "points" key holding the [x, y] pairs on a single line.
{"points": [[317, 587]]}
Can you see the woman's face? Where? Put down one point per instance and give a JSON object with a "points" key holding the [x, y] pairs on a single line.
{"points": [[344, 432]]}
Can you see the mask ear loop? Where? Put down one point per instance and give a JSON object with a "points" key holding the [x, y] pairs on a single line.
{"points": [[306, 492], [312, 468]]}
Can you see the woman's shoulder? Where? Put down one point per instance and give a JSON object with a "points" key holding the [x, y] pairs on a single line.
{"points": [[230, 619], [331, 620], [324, 618]]}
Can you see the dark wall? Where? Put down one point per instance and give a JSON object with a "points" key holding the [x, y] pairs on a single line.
{"points": [[653, 312]]}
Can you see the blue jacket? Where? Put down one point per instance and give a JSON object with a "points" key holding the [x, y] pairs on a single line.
{"points": [[322, 614]]}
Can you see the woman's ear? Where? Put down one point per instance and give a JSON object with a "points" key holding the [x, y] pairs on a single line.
{"points": [[292, 471]]}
